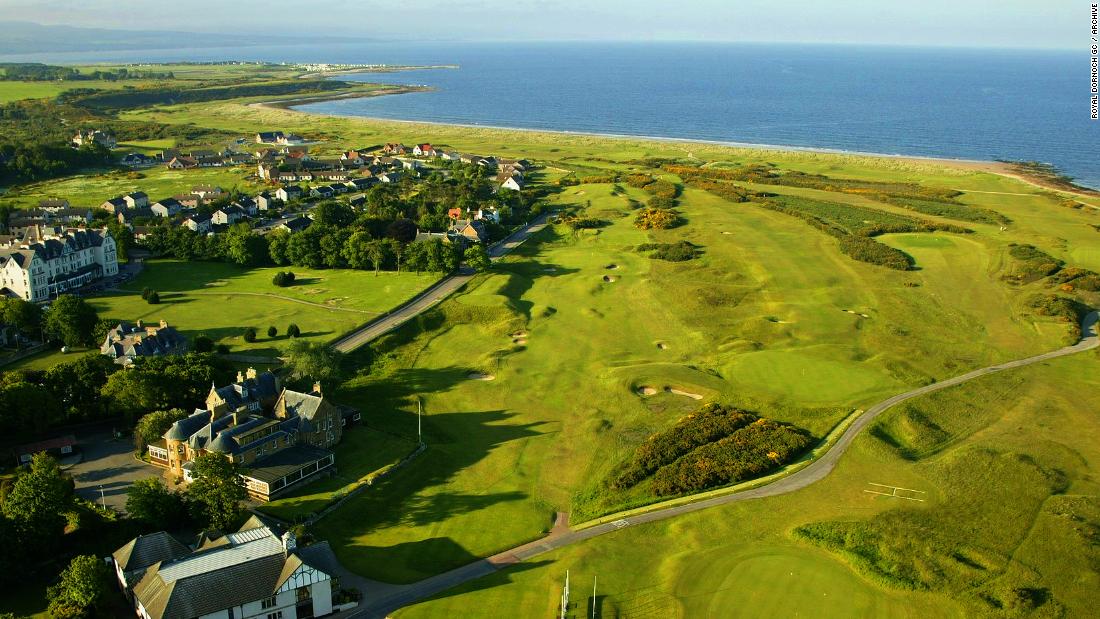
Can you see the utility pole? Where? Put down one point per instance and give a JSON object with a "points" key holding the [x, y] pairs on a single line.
{"points": [[102, 499], [419, 439], [593, 597], [565, 596]]}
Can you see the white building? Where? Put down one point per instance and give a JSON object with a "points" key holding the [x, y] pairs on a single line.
{"points": [[49, 262], [253, 573]]}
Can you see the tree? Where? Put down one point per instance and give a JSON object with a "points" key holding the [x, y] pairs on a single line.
{"points": [[151, 502], [216, 494], [76, 385], [145, 292], [277, 246], [37, 503], [154, 298], [335, 214], [152, 426], [203, 343], [250, 334], [314, 360], [23, 315], [402, 230], [356, 250], [71, 320], [80, 589], [292, 330], [478, 258], [272, 331], [123, 236], [244, 246], [26, 408], [377, 251]]}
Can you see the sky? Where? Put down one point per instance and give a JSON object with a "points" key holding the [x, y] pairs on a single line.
{"points": [[969, 23]]}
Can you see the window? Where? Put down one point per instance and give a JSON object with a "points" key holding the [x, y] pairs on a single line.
{"points": [[270, 603], [303, 594], [278, 615]]}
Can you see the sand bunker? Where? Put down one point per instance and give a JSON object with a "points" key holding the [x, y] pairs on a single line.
{"points": [[520, 341], [686, 394], [612, 266], [550, 270], [479, 376], [646, 391], [662, 346], [520, 333], [727, 232], [609, 279], [854, 313]]}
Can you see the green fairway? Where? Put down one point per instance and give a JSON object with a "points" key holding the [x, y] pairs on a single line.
{"points": [[221, 300]]}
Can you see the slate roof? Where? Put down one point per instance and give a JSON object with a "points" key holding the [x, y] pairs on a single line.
{"points": [[285, 462], [145, 550]]}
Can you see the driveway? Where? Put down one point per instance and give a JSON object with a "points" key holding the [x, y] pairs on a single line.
{"points": [[108, 464]]}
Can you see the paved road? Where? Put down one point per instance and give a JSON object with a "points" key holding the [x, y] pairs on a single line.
{"points": [[382, 599], [441, 290], [109, 464]]}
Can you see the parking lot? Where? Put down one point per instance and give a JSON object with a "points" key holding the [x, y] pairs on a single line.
{"points": [[109, 465]]}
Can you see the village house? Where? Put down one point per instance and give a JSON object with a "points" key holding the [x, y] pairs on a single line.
{"points": [[137, 160], [294, 224], [188, 200], [114, 205], [93, 136], [227, 215], [288, 193], [471, 230], [207, 192], [182, 163], [137, 199], [395, 149], [507, 181], [127, 342], [168, 207], [323, 191], [451, 155], [53, 203], [264, 201], [45, 263], [291, 139], [198, 223], [258, 572], [268, 137], [424, 150], [129, 216], [247, 205]]}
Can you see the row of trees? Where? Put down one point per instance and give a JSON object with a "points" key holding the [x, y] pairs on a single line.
{"points": [[92, 387], [69, 320]]}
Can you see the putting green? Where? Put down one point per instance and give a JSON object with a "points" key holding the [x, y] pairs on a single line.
{"points": [[778, 582], [806, 377]]}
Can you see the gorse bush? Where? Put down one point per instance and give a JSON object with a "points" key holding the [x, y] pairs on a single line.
{"points": [[681, 251], [656, 219], [714, 446]]}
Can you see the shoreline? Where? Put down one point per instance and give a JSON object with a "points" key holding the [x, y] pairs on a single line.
{"points": [[1001, 168]]}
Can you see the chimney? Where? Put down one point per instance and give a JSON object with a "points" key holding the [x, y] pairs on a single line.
{"points": [[289, 542], [236, 418], [240, 377], [139, 325], [317, 387], [251, 373], [163, 324]]}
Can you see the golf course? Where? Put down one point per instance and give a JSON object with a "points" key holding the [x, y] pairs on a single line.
{"points": [[794, 288]]}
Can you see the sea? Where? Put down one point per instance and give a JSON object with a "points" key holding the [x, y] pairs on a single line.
{"points": [[961, 103]]}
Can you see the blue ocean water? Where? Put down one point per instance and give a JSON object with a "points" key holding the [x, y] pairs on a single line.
{"points": [[956, 103]]}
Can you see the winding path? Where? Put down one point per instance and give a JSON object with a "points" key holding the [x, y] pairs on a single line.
{"points": [[441, 290], [381, 599]]}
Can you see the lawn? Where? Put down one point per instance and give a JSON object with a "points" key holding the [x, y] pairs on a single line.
{"points": [[15, 91], [221, 300], [362, 454], [91, 190]]}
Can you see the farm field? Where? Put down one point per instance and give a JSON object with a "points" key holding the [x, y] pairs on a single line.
{"points": [[221, 300]]}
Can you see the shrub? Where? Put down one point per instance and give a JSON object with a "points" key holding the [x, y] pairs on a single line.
{"points": [[292, 330], [250, 334], [145, 292], [660, 202], [203, 343], [680, 251], [663, 189], [272, 331], [283, 279], [656, 219], [636, 180], [153, 298], [222, 349]]}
